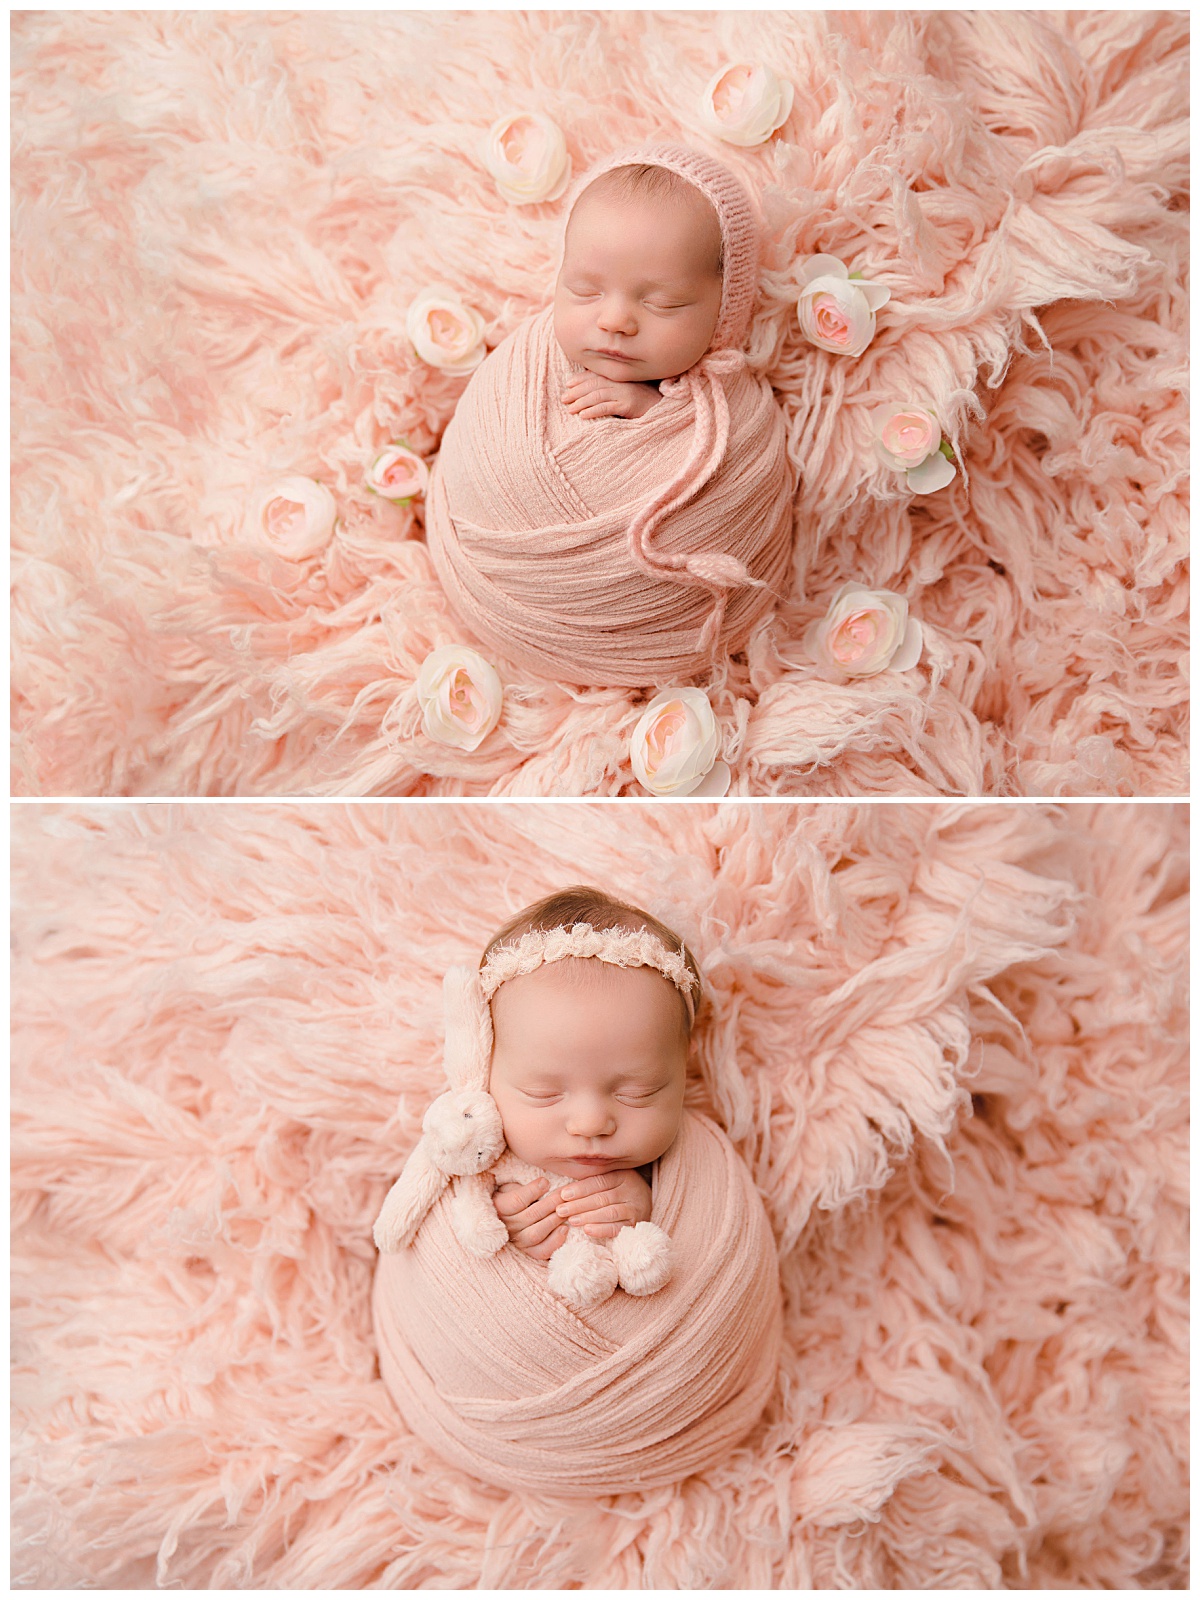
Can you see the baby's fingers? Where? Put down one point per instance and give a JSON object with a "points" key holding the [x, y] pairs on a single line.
{"points": [[603, 408], [617, 1213], [512, 1198], [543, 1251], [542, 1239], [587, 397]]}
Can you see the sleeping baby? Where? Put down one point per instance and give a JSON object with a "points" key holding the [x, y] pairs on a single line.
{"points": [[588, 1069], [639, 291], [612, 501], [567, 1052]]}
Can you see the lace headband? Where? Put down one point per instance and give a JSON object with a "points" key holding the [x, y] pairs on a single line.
{"points": [[619, 947]]}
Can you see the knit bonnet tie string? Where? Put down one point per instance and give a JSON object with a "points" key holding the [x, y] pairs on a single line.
{"points": [[712, 568]]}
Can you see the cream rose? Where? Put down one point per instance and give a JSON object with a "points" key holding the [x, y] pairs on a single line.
{"points": [[745, 103], [294, 516], [460, 695], [837, 312], [444, 332], [397, 473], [865, 631], [909, 439], [674, 747], [526, 155]]}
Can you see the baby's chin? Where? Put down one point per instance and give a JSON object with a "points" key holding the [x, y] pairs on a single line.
{"points": [[616, 371]]}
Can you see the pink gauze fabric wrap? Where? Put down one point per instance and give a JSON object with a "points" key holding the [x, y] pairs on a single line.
{"points": [[623, 551], [505, 1381]]}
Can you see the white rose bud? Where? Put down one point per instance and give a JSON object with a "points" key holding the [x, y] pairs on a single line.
{"points": [[398, 473], [909, 439], [445, 333], [527, 156], [460, 695], [865, 631], [293, 516], [674, 747], [745, 103], [837, 312]]}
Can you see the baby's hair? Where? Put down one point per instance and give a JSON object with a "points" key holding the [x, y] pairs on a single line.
{"points": [[656, 183], [582, 903]]}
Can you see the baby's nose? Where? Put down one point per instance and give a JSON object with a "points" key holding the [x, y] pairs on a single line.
{"points": [[590, 1119], [616, 316]]}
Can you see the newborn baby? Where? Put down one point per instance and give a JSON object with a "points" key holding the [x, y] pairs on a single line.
{"points": [[588, 1071], [639, 292], [566, 1049], [612, 501]]}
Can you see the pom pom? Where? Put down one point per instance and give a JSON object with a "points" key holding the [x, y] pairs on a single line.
{"points": [[643, 1258], [581, 1273]]}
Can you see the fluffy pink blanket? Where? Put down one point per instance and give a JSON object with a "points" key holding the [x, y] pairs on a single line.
{"points": [[220, 219], [508, 1383], [538, 522], [949, 1044]]}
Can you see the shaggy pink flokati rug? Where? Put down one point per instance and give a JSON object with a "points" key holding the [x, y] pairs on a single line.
{"points": [[949, 1042], [220, 220]]}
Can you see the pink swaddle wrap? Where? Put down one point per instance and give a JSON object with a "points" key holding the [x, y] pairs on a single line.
{"points": [[504, 1380], [624, 552]]}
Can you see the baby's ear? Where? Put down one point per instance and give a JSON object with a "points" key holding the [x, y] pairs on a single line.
{"points": [[468, 1049]]}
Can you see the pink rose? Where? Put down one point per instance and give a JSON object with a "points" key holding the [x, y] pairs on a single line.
{"points": [[527, 156], [674, 746], [294, 516], [865, 631], [460, 695], [444, 332], [837, 312], [398, 473], [909, 439], [745, 103]]}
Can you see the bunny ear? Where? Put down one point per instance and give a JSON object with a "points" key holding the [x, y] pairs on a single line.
{"points": [[468, 1052]]}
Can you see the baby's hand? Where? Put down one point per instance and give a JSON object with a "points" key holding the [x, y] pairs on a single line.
{"points": [[590, 397], [530, 1216], [604, 1204]]}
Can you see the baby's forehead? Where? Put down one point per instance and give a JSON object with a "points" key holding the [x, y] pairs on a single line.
{"points": [[608, 197]]}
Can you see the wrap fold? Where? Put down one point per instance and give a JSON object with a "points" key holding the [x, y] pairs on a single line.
{"points": [[621, 551], [503, 1379]]}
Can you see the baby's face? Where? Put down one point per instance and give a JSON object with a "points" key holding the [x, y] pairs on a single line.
{"points": [[588, 1067], [639, 293]]}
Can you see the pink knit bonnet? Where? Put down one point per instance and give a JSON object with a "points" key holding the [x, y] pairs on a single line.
{"points": [[739, 227]]}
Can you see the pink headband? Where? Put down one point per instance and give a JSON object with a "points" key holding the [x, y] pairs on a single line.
{"points": [[619, 947]]}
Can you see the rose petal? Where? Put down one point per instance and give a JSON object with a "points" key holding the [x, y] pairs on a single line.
{"points": [[822, 267], [876, 295], [910, 648], [714, 785], [934, 473]]}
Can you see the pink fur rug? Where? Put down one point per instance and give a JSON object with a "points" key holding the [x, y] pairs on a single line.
{"points": [[220, 219], [949, 1042]]}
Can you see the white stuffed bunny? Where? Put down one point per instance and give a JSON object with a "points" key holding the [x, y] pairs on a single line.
{"points": [[462, 1143]]}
